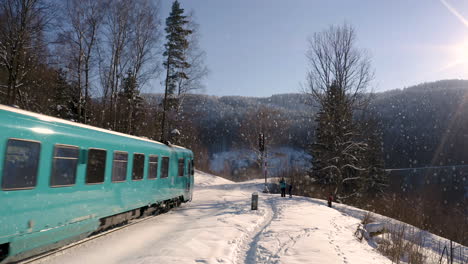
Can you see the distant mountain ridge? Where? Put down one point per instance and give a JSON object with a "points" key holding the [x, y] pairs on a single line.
{"points": [[424, 124], [286, 101]]}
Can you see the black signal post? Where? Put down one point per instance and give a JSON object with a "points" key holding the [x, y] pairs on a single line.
{"points": [[261, 148]]}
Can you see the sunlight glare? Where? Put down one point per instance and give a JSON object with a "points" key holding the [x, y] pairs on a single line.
{"points": [[457, 57], [42, 130]]}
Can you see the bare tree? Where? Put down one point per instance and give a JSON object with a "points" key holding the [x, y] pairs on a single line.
{"points": [[146, 36], [77, 43], [334, 59], [114, 56], [132, 34], [338, 81], [143, 65], [22, 25]]}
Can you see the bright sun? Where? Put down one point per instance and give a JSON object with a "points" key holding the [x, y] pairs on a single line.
{"points": [[461, 52], [457, 57]]}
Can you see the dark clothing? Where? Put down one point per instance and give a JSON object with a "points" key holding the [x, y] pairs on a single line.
{"points": [[330, 199], [283, 185], [290, 190], [283, 188], [283, 192]]}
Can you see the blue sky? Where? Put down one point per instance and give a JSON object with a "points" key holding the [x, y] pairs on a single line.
{"points": [[257, 47]]}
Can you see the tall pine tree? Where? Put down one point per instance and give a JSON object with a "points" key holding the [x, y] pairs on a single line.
{"points": [[338, 80], [337, 154], [176, 61], [347, 157]]}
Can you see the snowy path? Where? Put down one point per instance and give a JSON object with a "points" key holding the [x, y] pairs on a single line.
{"points": [[304, 231], [219, 227]]}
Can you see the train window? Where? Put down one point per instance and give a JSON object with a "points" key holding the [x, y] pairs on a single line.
{"points": [[64, 165], [138, 166], [181, 168], [189, 167], [192, 167], [165, 167], [96, 166], [153, 167], [21, 164], [119, 166]]}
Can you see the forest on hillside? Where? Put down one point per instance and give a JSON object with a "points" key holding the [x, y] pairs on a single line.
{"points": [[421, 125], [425, 125]]}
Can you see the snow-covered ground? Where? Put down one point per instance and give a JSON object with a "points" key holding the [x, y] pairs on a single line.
{"points": [[219, 227]]}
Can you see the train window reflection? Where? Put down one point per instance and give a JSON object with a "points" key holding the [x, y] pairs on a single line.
{"points": [[119, 166], [64, 165], [138, 166], [165, 167], [21, 164], [153, 167], [192, 167], [96, 166], [180, 168]]}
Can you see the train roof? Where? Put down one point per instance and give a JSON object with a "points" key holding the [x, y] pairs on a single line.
{"points": [[71, 123]]}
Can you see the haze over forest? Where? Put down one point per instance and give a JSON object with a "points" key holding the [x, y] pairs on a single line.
{"points": [[422, 125]]}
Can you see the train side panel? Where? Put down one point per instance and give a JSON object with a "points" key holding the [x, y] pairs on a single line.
{"points": [[44, 215]]}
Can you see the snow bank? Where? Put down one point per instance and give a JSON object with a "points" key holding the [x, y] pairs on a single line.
{"points": [[204, 179], [433, 245], [376, 227]]}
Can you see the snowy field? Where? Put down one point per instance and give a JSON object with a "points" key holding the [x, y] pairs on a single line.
{"points": [[219, 227]]}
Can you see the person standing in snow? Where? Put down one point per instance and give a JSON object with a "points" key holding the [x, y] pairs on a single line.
{"points": [[290, 190], [330, 200], [283, 187]]}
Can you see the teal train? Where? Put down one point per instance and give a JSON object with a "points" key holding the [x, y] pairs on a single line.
{"points": [[62, 181]]}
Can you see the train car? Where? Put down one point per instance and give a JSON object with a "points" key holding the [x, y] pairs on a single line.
{"points": [[62, 181]]}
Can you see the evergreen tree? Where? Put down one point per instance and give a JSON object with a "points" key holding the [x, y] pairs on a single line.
{"points": [[336, 153], [130, 105], [176, 61], [338, 80], [64, 101], [347, 152]]}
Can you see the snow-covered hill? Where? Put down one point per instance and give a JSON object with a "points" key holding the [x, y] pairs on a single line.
{"points": [[219, 227]]}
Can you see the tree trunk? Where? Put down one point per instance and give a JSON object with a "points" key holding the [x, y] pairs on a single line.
{"points": [[80, 89], [163, 122], [129, 115], [85, 108]]}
